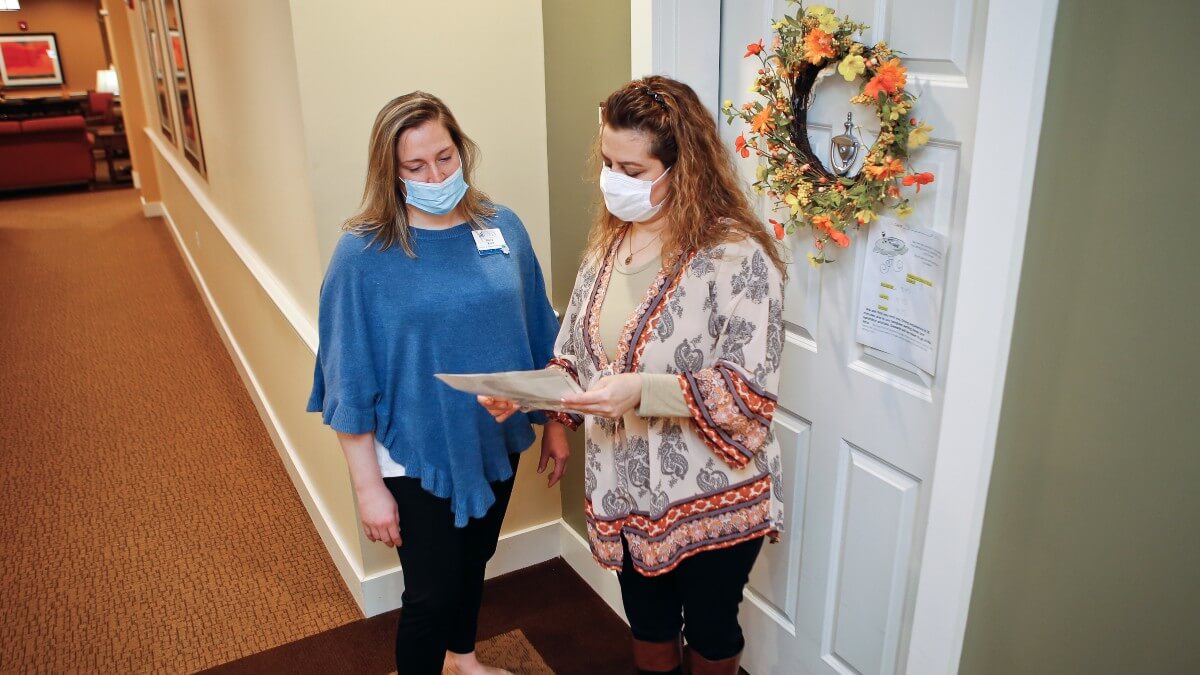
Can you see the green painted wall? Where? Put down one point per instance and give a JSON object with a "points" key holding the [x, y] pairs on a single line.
{"points": [[587, 57], [1090, 557]]}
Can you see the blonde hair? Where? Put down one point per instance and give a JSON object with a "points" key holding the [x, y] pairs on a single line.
{"points": [[706, 204], [383, 215]]}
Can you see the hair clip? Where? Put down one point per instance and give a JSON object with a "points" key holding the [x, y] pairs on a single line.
{"points": [[656, 96]]}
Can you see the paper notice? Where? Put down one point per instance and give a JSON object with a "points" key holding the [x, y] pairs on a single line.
{"points": [[532, 389], [900, 304]]}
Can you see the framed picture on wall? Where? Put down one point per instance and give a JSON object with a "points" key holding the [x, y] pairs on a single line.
{"points": [[30, 60], [162, 90], [171, 15]]}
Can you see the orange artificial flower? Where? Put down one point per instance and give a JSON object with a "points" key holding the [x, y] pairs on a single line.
{"points": [[889, 78], [764, 121], [753, 49], [818, 46], [839, 238], [893, 191], [890, 167], [919, 179], [739, 144], [779, 231], [823, 223]]}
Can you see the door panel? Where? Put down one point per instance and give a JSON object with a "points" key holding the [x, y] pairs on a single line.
{"points": [[872, 544]]}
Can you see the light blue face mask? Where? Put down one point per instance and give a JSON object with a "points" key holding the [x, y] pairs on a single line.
{"points": [[436, 198]]}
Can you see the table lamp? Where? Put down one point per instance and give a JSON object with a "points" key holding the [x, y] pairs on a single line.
{"points": [[106, 81]]}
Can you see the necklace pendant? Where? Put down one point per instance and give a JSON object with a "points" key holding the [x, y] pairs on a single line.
{"points": [[628, 259]]}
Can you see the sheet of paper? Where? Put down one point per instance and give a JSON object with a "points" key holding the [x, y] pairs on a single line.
{"points": [[900, 304], [532, 389]]}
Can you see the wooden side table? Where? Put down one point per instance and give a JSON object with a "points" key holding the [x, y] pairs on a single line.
{"points": [[115, 145]]}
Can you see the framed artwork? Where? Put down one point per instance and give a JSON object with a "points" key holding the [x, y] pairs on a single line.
{"points": [[30, 60], [162, 91], [171, 15]]}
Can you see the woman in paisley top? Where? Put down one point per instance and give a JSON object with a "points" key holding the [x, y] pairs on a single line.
{"points": [[674, 329]]}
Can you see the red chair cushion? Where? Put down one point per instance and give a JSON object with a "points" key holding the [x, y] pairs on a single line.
{"points": [[99, 103]]}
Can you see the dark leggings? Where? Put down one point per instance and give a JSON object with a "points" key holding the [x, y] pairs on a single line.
{"points": [[700, 596], [443, 573]]}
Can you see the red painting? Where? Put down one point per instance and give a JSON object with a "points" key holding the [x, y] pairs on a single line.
{"points": [[177, 51], [30, 60], [27, 59]]}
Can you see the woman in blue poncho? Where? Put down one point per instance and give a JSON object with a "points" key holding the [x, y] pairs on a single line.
{"points": [[431, 277]]}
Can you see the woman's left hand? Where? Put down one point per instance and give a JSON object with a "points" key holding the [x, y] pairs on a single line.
{"points": [[610, 397], [500, 408]]}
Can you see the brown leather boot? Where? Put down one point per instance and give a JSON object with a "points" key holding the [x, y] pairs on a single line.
{"points": [[657, 657], [698, 665]]}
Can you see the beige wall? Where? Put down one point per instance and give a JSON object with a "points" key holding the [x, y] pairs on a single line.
{"points": [[1089, 557], [244, 76], [483, 58], [76, 24], [286, 150], [587, 57]]}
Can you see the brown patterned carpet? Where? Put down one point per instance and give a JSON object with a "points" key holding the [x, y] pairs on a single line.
{"points": [[148, 521]]}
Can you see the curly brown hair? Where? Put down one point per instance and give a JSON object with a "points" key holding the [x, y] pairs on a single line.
{"points": [[707, 204]]}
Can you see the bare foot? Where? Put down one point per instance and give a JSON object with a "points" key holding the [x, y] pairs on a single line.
{"points": [[467, 664]]}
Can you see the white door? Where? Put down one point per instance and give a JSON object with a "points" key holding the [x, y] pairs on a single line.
{"points": [[859, 434]]}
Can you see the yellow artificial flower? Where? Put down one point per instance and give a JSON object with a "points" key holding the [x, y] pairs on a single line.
{"points": [[792, 201], [829, 22], [761, 172], [851, 67], [727, 104], [818, 11], [919, 136], [778, 24], [904, 210], [864, 216], [812, 260]]}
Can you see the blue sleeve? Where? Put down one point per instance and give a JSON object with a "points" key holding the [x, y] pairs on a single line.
{"points": [[344, 383]]}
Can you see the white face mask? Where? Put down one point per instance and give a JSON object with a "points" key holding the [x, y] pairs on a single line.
{"points": [[629, 198]]}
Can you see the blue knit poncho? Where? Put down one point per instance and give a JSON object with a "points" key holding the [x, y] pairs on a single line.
{"points": [[388, 322]]}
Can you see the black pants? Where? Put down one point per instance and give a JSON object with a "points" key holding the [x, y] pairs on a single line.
{"points": [[700, 596], [443, 573]]}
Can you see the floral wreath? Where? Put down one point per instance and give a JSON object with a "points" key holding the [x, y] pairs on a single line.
{"points": [[804, 45]]}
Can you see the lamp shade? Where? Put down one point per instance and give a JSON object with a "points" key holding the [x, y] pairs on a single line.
{"points": [[10, 5], [106, 81]]}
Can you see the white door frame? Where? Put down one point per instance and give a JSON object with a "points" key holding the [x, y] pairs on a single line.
{"points": [[1016, 60]]}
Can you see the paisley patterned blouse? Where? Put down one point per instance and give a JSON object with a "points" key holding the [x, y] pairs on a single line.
{"points": [[675, 486]]}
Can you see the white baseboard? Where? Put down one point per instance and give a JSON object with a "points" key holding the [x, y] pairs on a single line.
{"points": [[151, 209], [137, 181], [578, 554]]}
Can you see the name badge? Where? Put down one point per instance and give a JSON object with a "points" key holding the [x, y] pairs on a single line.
{"points": [[490, 241]]}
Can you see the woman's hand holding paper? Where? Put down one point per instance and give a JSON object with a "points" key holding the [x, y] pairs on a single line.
{"points": [[610, 397]]}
